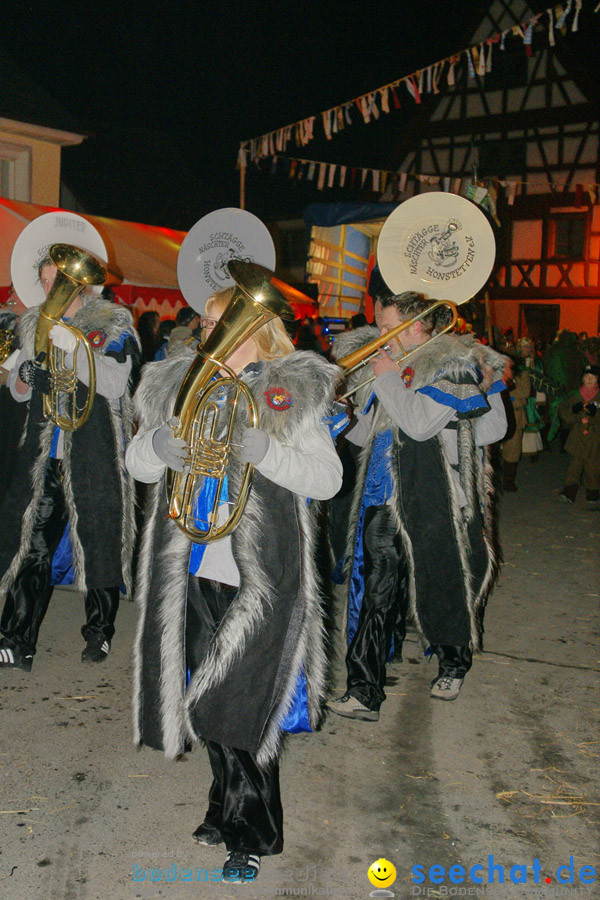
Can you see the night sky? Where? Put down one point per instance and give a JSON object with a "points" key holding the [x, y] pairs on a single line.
{"points": [[167, 91]]}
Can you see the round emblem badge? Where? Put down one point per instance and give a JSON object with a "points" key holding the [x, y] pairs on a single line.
{"points": [[97, 338], [407, 376], [278, 398]]}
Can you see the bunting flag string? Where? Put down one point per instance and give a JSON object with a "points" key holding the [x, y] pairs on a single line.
{"points": [[479, 61], [482, 191]]}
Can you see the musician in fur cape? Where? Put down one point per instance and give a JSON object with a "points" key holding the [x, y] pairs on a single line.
{"points": [[75, 478], [230, 631], [421, 527]]}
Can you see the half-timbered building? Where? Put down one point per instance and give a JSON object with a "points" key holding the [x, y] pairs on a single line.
{"points": [[528, 128]]}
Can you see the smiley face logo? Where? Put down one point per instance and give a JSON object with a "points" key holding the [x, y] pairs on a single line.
{"points": [[381, 873]]}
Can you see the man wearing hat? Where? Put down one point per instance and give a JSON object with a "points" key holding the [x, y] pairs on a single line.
{"points": [[580, 410], [75, 478]]}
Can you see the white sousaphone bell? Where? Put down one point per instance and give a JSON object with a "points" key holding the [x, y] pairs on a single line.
{"points": [[79, 254], [436, 244]]}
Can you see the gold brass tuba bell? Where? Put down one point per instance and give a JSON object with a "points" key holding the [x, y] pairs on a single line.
{"points": [[7, 338], [254, 302], [76, 269]]}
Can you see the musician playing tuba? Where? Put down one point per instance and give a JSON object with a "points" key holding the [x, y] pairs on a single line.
{"points": [[230, 634], [420, 530], [75, 478]]}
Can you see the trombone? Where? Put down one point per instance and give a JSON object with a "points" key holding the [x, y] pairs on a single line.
{"points": [[363, 355]]}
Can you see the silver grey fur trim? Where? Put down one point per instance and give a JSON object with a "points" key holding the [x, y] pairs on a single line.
{"points": [[313, 378], [96, 314], [447, 355]]}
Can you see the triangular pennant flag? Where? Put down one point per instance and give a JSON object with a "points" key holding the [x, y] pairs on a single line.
{"points": [[321, 179]]}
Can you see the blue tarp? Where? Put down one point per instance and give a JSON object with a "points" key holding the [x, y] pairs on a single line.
{"points": [[330, 214]]}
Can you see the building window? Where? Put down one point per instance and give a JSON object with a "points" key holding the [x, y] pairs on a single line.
{"points": [[567, 236], [7, 179], [15, 171]]}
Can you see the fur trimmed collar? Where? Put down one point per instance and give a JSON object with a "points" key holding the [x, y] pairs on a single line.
{"points": [[96, 314], [446, 357], [302, 374]]}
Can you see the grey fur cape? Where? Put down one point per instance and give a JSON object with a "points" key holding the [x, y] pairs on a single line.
{"points": [[451, 551], [98, 489], [241, 690]]}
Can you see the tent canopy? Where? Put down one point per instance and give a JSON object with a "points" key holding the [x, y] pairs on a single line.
{"points": [[141, 255]]}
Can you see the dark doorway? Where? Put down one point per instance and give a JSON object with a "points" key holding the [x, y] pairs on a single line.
{"points": [[539, 321]]}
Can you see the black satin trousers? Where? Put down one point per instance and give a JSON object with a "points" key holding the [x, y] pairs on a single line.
{"points": [[383, 608], [244, 802], [28, 598], [383, 614]]}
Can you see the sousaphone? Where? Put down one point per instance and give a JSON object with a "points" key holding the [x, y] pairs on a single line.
{"points": [[436, 244], [75, 247], [227, 248]]}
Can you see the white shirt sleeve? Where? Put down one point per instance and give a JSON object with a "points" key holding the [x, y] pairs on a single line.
{"points": [[359, 431], [417, 415], [311, 468], [141, 460], [12, 380], [112, 376], [492, 426]]}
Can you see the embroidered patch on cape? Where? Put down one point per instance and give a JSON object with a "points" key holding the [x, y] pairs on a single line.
{"points": [[97, 338], [278, 398], [407, 376]]}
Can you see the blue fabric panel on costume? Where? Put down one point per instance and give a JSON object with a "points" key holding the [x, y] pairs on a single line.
{"points": [[54, 445], [62, 561], [378, 490], [117, 345], [204, 504], [296, 719], [378, 484], [337, 424], [465, 405], [497, 387], [357, 578], [370, 403]]}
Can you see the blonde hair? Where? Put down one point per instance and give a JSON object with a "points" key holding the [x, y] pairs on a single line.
{"points": [[271, 339]]}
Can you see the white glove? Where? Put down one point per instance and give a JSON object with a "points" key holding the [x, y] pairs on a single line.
{"points": [[62, 338], [255, 445], [171, 450]]}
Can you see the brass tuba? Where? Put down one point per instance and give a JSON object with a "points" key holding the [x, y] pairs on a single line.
{"points": [[254, 302], [76, 269], [7, 338]]}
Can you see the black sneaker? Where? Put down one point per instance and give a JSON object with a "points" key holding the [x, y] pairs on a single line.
{"points": [[11, 658], [207, 835], [95, 651], [241, 868]]}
